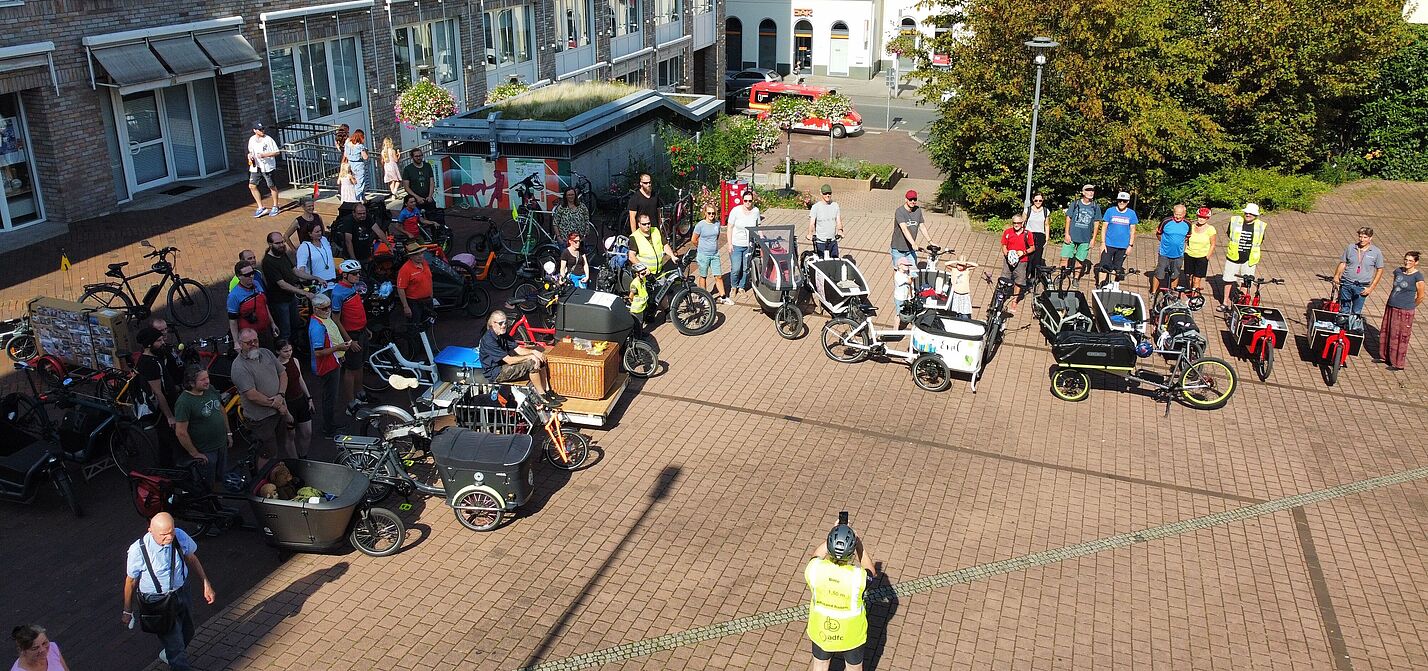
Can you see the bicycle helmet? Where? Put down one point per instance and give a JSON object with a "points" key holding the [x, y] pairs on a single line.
{"points": [[842, 542], [639, 268], [1144, 349], [351, 266]]}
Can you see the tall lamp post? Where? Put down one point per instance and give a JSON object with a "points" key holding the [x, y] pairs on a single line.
{"points": [[1039, 45]]}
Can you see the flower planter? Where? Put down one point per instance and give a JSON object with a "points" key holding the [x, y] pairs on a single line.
{"points": [[811, 183]]}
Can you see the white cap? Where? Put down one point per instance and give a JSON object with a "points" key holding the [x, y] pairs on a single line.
{"points": [[1123, 196], [1251, 208]]}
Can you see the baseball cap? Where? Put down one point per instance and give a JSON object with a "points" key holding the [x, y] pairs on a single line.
{"points": [[257, 125], [910, 195], [1203, 212], [826, 188], [1251, 208], [1122, 196]]}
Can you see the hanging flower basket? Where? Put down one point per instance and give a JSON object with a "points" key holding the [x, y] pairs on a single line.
{"points": [[423, 103]]}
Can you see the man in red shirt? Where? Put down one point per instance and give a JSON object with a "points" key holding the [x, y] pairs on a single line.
{"points": [[1017, 246], [351, 313], [414, 290]]}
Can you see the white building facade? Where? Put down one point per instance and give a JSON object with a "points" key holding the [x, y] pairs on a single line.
{"points": [[837, 38]]}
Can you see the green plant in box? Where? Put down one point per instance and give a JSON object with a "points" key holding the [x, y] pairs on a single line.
{"points": [[423, 103]]}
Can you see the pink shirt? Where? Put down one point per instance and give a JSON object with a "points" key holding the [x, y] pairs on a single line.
{"points": [[52, 659]]}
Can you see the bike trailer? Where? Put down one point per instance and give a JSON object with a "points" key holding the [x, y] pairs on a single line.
{"points": [[305, 525], [1118, 310], [593, 315], [503, 463], [1324, 325], [1081, 349], [837, 284]]}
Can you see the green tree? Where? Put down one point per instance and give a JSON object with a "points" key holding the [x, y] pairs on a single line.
{"points": [[1393, 123]]}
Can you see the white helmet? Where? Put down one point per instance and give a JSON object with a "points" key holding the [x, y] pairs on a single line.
{"points": [[351, 266]]}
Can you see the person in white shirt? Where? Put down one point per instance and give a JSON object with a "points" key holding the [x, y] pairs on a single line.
{"points": [[314, 254], [262, 162], [740, 220]]}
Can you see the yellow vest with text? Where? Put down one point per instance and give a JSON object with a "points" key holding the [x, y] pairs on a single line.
{"points": [[837, 621], [649, 250], [639, 297], [1232, 245]]}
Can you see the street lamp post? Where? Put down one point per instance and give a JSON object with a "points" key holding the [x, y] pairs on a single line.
{"points": [[1039, 45]]}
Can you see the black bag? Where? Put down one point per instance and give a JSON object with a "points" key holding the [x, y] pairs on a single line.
{"points": [[156, 616]]}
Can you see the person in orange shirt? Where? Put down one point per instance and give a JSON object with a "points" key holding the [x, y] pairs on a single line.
{"points": [[414, 290]]}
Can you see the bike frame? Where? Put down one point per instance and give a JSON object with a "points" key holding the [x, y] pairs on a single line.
{"points": [[425, 373], [152, 293], [387, 469]]}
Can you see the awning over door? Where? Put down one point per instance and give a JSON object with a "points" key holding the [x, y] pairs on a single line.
{"points": [[26, 56], [151, 58]]}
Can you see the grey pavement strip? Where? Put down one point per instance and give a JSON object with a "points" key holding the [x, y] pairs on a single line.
{"points": [[627, 651]]}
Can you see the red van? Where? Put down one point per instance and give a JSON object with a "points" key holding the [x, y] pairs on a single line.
{"points": [[761, 97]]}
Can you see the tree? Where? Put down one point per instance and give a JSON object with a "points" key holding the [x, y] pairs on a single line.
{"points": [[1392, 127]]}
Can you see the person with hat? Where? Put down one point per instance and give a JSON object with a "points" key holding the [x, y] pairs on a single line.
{"points": [[903, 289], [907, 230], [1017, 247], [330, 344], [414, 288], [837, 575], [1117, 233], [1244, 238], [961, 276], [1173, 233], [1198, 247], [825, 223], [262, 163], [638, 296], [162, 377], [352, 315], [1082, 216]]}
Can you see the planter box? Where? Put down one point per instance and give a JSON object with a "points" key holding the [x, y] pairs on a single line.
{"points": [[811, 183]]}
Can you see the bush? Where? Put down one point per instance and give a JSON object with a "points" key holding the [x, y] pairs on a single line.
{"points": [[845, 168], [771, 198], [560, 102], [1233, 187]]}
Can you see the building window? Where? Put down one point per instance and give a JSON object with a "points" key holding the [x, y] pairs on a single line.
{"points": [[574, 22], [427, 50], [733, 43], [623, 17], [508, 37], [21, 204], [668, 11], [670, 73], [768, 44], [317, 80], [636, 78]]}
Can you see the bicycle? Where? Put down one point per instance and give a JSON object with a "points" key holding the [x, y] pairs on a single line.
{"points": [[1168, 293], [486, 408], [17, 336], [188, 300], [388, 361], [679, 220], [996, 314], [1259, 330]]}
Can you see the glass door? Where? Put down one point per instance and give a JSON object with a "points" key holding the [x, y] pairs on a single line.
{"points": [[21, 204], [145, 130]]}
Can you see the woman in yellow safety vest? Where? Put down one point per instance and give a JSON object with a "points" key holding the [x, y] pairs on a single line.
{"points": [[837, 621]]}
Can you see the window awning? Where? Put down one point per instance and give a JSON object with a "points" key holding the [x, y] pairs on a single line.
{"points": [[25, 56], [151, 58]]}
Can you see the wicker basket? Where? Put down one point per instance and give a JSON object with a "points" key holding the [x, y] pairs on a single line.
{"points": [[576, 374]]}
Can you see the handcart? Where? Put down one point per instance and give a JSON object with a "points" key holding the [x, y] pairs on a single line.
{"points": [[778, 280], [323, 523]]}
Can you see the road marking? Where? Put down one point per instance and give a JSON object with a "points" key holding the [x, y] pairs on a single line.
{"points": [[627, 651]]}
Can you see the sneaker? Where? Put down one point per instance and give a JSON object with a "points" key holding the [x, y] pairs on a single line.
{"points": [[725, 300], [163, 656], [261, 211], [273, 212]]}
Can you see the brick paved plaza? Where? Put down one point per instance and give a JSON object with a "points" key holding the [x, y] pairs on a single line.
{"points": [[1019, 531]]}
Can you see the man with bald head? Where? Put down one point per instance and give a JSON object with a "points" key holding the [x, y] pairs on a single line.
{"points": [[163, 563]]}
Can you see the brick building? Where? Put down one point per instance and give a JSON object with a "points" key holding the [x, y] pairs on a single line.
{"points": [[105, 102]]}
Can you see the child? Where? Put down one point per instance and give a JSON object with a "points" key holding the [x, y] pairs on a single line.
{"points": [[902, 286], [390, 173], [961, 271]]}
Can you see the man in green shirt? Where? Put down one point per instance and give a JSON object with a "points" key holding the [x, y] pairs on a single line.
{"points": [[202, 426], [417, 178]]}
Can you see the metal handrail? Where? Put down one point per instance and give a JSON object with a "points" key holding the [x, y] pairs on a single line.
{"points": [[312, 157]]}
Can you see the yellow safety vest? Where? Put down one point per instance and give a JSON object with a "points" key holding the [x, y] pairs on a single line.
{"points": [[649, 250], [836, 619], [639, 296], [1232, 245]]}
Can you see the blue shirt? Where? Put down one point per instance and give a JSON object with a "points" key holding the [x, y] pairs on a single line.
{"points": [[238, 295], [1083, 220], [494, 349], [340, 294], [708, 232], [160, 557], [1118, 226], [1172, 238]]}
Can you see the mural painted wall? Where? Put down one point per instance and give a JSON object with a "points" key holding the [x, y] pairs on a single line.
{"points": [[475, 181]]}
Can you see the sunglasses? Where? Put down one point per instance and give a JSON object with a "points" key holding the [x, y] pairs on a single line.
{"points": [[245, 274], [646, 183], [250, 343], [1036, 200]]}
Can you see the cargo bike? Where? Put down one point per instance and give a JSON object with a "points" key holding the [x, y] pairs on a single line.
{"points": [[1333, 336], [1205, 383], [937, 345], [1256, 329], [324, 523]]}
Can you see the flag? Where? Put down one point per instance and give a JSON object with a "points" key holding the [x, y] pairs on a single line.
{"points": [[64, 260]]}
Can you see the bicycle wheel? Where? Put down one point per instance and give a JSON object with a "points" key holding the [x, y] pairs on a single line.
{"points": [[789, 321], [476, 245], [1069, 384], [502, 273], [572, 455], [188, 303], [477, 510], [21, 348], [525, 298], [930, 373], [1196, 301], [131, 447], [478, 301], [65, 486], [367, 463], [693, 311], [1331, 367], [995, 331], [1206, 383], [378, 533], [845, 341], [1264, 363], [51, 372], [640, 358], [107, 296]]}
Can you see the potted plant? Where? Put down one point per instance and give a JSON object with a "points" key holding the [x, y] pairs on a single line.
{"points": [[423, 103]]}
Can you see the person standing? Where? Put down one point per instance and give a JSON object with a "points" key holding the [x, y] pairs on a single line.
{"points": [[296, 433], [1244, 238], [1117, 233], [644, 202], [414, 289], [330, 343], [260, 381], [825, 224], [961, 271], [1082, 216], [1036, 220], [417, 178], [1404, 297], [391, 172], [347, 185], [650, 247], [307, 217], [202, 426], [249, 257], [314, 254], [262, 163], [1198, 247], [571, 216], [161, 377], [902, 288], [286, 280], [160, 564], [36, 651], [907, 229], [355, 151], [1173, 233], [1017, 247], [1360, 268], [837, 574], [352, 314], [740, 220], [706, 256]]}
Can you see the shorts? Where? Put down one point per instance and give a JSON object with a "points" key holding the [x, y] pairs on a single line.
{"points": [[1114, 258], [300, 409], [254, 178], [1168, 269], [1077, 250], [897, 254], [1016, 273], [356, 360], [1234, 270], [1197, 266], [854, 656], [708, 263], [512, 372]]}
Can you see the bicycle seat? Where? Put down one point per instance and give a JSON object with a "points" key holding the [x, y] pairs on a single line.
{"points": [[117, 269], [402, 382]]}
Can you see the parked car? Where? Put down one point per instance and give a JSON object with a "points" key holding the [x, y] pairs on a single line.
{"points": [[761, 97], [738, 79], [737, 101]]}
